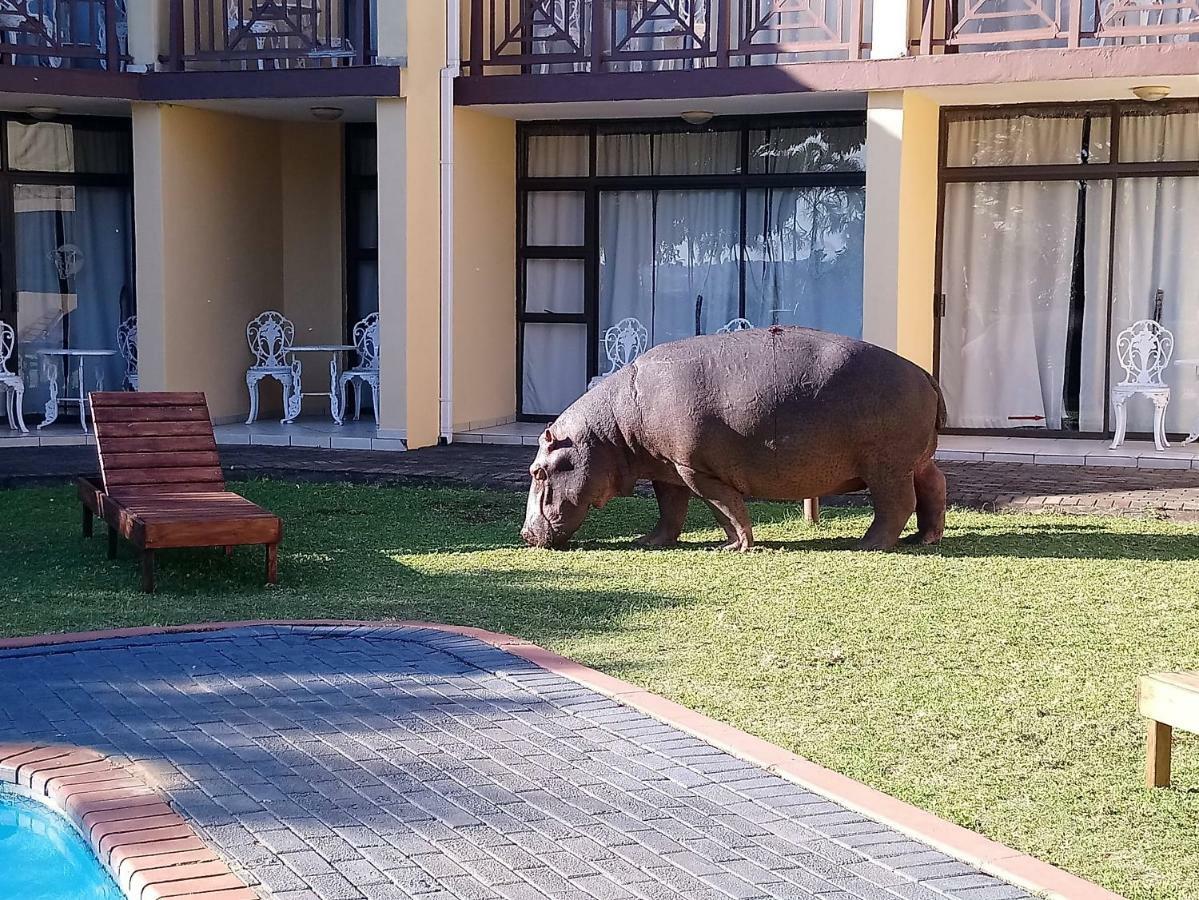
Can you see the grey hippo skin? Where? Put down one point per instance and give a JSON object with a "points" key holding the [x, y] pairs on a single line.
{"points": [[775, 413]]}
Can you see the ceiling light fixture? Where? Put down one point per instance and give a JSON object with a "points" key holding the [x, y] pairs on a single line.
{"points": [[697, 117], [1151, 93], [327, 113], [43, 113]]}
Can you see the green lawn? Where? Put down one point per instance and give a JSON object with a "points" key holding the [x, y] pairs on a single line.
{"points": [[990, 680]]}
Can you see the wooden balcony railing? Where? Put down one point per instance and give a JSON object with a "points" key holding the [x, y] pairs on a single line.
{"points": [[554, 36], [952, 26], [63, 34], [270, 34]]}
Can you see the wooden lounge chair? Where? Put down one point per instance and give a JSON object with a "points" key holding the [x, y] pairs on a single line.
{"points": [[161, 484]]}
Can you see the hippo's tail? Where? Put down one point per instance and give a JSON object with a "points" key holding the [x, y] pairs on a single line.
{"points": [[942, 412]]}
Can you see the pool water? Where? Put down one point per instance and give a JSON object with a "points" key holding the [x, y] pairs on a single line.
{"points": [[43, 858]]}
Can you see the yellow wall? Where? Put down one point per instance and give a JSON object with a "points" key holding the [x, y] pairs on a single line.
{"points": [[312, 170], [484, 269], [228, 226], [901, 224]]}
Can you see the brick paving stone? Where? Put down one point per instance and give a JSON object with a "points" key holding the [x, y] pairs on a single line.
{"points": [[414, 764], [1106, 490]]}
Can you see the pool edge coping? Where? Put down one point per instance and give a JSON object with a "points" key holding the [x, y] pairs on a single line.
{"points": [[1016, 867], [142, 842]]}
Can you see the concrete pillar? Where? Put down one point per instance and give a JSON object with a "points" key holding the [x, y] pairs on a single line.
{"points": [[149, 218], [409, 135], [391, 21], [484, 343], [901, 223], [148, 24], [391, 124], [890, 29]]}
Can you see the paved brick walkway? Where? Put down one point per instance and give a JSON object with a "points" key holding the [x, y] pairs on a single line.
{"points": [[381, 763], [1170, 494]]}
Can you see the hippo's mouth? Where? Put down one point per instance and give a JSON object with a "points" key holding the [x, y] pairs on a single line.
{"points": [[545, 537]]}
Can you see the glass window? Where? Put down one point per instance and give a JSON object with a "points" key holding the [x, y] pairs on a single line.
{"points": [[554, 286], [1148, 137], [1028, 140], [558, 155], [556, 219], [808, 149], [555, 367], [1156, 221], [804, 258], [670, 260], [1025, 282], [669, 153], [69, 147]]}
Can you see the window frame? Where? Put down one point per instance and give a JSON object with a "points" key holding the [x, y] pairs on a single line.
{"points": [[592, 185], [1113, 170]]}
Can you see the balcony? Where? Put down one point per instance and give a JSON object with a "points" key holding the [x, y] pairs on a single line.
{"points": [[63, 34], [260, 35], [547, 37], [959, 26]]}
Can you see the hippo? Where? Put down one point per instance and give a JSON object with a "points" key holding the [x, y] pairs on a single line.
{"points": [[779, 413]]}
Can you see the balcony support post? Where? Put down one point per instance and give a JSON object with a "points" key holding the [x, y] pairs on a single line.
{"points": [[723, 28], [176, 40], [598, 38]]}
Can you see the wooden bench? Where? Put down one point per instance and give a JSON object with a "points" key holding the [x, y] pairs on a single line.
{"points": [[1168, 700], [161, 484]]}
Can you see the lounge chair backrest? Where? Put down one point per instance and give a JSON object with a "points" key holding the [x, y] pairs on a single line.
{"points": [[155, 443]]}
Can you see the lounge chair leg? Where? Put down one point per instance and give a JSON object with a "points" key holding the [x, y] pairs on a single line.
{"points": [[112, 542], [148, 571], [1157, 764], [87, 522], [272, 563]]}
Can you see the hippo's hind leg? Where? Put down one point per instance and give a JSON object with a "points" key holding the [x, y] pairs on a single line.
{"points": [[930, 505], [894, 500], [727, 505], [672, 514]]}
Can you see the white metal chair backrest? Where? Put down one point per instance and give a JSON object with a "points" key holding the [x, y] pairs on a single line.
{"points": [[270, 337], [127, 345], [735, 325], [1144, 349], [8, 342], [366, 342], [624, 342]]}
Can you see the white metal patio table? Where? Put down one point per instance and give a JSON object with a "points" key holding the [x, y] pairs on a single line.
{"points": [[50, 368], [1194, 364], [334, 394]]}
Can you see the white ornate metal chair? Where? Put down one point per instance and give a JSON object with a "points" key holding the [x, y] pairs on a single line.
{"points": [[735, 325], [623, 343], [10, 382], [127, 347], [366, 343], [270, 337], [1144, 349]]}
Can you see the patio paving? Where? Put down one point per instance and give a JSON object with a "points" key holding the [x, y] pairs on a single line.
{"points": [[1108, 490], [368, 763]]}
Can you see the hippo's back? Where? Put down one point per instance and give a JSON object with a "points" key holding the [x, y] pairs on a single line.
{"points": [[780, 411]]}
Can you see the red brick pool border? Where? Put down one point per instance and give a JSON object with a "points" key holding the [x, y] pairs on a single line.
{"points": [[146, 862], [147, 847]]}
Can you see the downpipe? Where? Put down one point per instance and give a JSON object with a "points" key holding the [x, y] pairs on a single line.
{"points": [[451, 71]]}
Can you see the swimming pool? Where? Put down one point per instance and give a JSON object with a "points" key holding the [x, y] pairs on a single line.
{"points": [[43, 858]]}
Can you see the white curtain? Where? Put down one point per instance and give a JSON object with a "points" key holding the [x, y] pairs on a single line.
{"points": [[555, 367], [804, 258], [1024, 141], [557, 155], [1156, 221], [1009, 258]]}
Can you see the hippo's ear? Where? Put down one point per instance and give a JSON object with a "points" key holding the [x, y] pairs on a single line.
{"points": [[552, 443]]}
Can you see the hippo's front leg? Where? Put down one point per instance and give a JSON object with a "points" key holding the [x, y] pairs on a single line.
{"points": [[672, 515], [727, 504]]}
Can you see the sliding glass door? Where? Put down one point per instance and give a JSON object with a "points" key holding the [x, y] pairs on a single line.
{"points": [[1061, 228], [683, 229], [66, 229]]}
